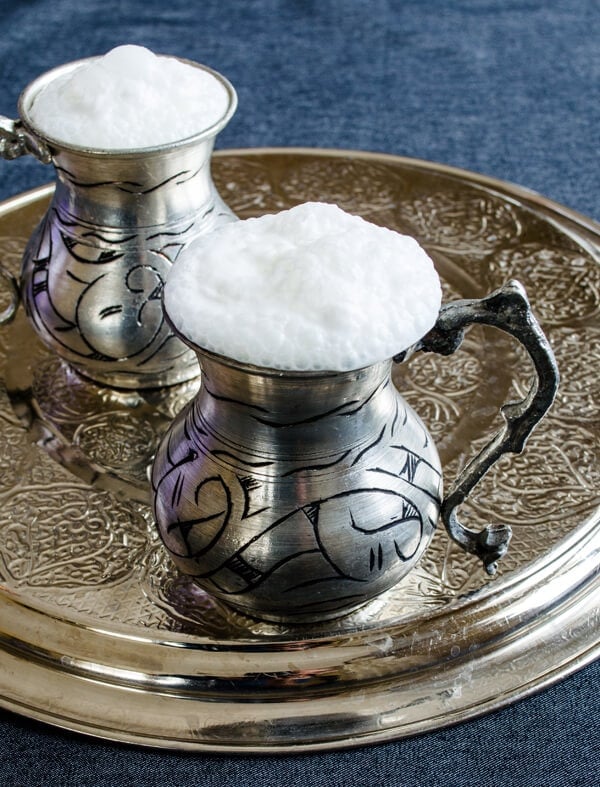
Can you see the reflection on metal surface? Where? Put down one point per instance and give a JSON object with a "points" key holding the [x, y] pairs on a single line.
{"points": [[87, 591]]}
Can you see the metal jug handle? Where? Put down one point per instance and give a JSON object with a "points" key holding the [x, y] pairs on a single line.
{"points": [[16, 141], [508, 309], [9, 313]]}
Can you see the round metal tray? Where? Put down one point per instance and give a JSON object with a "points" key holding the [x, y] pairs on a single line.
{"points": [[99, 633]]}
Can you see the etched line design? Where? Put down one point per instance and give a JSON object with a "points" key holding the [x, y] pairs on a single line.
{"points": [[77, 332], [258, 577], [303, 421], [131, 186], [222, 453], [365, 450], [102, 258], [229, 400], [168, 233], [417, 459], [103, 238], [347, 408], [248, 485], [323, 466], [188, 527]]}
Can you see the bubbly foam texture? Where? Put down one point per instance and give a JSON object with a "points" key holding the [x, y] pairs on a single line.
{"points": [[128, 99], [311, 288]]}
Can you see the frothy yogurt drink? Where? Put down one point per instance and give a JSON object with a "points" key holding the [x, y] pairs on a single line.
{"points": [[311, 288], [128, 99]]}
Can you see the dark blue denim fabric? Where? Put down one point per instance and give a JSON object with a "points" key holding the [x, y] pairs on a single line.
{"points": [[506, 88]]}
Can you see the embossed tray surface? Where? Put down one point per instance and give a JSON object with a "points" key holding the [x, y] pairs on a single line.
{"points": [[99, 633]]}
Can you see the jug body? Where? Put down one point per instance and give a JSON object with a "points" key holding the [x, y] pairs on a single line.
{"points": [[296, 497]]}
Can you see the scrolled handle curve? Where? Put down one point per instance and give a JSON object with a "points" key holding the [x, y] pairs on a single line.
{"points": [[16, 141], [509, 310]]}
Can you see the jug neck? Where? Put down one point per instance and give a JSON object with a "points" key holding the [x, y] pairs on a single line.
{"points": [[140, 189], [265, 407]]}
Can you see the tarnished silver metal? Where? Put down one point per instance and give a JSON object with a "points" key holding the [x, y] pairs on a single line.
{"points": [[300, 496], [509, 310], [16, 141], [93, 270]]}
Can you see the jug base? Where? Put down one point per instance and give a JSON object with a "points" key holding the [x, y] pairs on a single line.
{"points": [[361, 612]]}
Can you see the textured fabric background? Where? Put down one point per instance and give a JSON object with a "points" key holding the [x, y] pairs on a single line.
{"points": [[509, 89]]}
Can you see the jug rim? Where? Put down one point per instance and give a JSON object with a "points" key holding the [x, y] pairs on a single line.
{"points": [[267, 371], [32, 90]]}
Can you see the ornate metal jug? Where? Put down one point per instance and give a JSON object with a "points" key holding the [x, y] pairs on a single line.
{"points": [[299, 496], [93, 270]]}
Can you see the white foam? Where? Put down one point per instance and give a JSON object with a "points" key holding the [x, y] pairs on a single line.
{"points": [[129, 99], [311, 288]]}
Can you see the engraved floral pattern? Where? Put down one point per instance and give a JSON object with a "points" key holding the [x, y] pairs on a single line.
{"points": [[463, 221], [117, 442], [355, 185], [66, 536], [559, 297], [579, 394], [247, 186]]}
